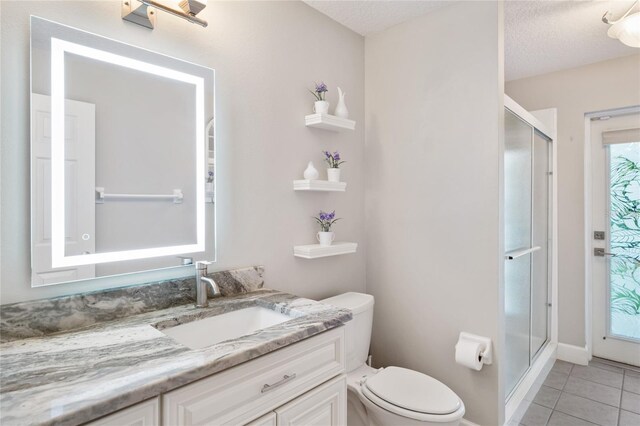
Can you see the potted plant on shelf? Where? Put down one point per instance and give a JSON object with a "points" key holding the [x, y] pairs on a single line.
{"points": [[321, 106], [334, 161], [325, 236]]}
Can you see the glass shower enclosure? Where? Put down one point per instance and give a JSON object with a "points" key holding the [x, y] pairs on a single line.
{"points": [[527, 216]]}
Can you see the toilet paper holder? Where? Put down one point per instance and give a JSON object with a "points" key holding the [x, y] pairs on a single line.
{"points": [[486, 355]]}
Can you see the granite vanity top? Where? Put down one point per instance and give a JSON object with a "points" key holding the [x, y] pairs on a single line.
{"points": [[77, 375]]}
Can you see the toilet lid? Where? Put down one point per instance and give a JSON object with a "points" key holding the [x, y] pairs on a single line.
{"points": [[413, 391]]}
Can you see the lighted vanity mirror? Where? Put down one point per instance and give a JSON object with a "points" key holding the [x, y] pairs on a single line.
{"points": [[122, 164]]}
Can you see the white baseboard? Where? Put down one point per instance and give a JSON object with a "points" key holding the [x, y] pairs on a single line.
{"points": [[573, 354], [465, 422]]}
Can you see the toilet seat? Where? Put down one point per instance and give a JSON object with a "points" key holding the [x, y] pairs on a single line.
{"points": [[411, 394]]}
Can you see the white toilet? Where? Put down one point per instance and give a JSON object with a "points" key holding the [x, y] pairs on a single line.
{"points": [[390, 396]]}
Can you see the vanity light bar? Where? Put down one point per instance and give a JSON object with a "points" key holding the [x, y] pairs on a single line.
{"points": [[141, 15], [184, 15], [58, 258]]}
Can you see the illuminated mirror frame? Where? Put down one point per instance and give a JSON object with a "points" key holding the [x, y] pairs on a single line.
{"points": [[58, 258]]}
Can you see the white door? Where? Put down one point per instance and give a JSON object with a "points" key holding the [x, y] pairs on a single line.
{"points": [[615, 211], [325, 405], [79, 189]]}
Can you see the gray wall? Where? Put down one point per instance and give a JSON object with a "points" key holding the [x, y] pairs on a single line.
{"points": [[574, 92], [434, 118], [262, 76]]}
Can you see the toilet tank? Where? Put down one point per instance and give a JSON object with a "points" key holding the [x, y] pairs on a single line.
{"points": [[358, 330]]}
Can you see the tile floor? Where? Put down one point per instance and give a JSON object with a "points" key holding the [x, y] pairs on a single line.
{"points": [[603, 393]]}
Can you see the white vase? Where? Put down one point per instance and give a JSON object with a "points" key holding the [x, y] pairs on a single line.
{"points": [[321, 107], [341, 109], [310, 173], [208, 187], [325, 238], [333, 175]]}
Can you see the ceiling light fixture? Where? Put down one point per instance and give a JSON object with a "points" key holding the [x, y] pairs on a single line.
{"points": [[627, 28], [142, 12]]}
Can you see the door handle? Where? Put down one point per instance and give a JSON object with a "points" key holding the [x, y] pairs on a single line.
{"points": [[601, 253]]}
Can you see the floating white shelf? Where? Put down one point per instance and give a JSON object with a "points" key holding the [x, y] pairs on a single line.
{"points": [[314, 251], [329, 122], [318, 185]]}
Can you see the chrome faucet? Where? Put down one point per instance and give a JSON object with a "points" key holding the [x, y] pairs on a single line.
{"points": [[202, 282]]}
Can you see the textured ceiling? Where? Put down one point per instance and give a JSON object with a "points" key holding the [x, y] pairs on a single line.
{"points": [[370, 16], [546, 36], [541, 36]]}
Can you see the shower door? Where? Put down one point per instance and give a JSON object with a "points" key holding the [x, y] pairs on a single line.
{"points": [[526, 216]]}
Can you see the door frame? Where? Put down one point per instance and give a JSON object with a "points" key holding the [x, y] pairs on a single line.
{"points": [[588, 219]]}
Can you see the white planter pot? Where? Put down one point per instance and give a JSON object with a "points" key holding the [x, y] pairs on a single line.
{"points": [[321, 107], [333, 175], [325, 238]]}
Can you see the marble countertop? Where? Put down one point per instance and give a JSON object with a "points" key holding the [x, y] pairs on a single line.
{"points": [[74, 376]]}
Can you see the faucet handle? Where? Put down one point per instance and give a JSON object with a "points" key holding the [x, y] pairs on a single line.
{"points": [[185, 260], [202, 264]]}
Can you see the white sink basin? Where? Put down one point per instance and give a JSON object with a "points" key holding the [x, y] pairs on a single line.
{"points": [[218, 328]]}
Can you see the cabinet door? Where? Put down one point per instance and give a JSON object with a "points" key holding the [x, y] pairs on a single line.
{"points": [[146, 413], [325, 405], [268, 419]]}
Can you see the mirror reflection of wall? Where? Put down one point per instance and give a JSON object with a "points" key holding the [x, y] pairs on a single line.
{"points": [[136, 157]]}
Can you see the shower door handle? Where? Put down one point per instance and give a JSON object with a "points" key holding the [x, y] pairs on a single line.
{"points": [[514, 254]]}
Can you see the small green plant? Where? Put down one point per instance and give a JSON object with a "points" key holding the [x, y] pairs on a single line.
{"points": [[326, 220], [320, 91]]}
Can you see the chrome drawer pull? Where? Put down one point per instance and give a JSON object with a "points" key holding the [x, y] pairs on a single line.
{"points": [[286, 378]]}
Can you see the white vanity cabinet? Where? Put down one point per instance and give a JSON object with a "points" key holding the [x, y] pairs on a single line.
{"points": [[323, 406], [145, 413], [294, 382]]}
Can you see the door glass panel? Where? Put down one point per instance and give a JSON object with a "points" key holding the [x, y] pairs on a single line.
{"points": [[517, 212], [517, 179], [540, 238], [517, 275], [624, 266]]}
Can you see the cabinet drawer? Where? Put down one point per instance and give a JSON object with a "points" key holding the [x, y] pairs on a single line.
{"points": [[145, 413], [249, 390]]}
